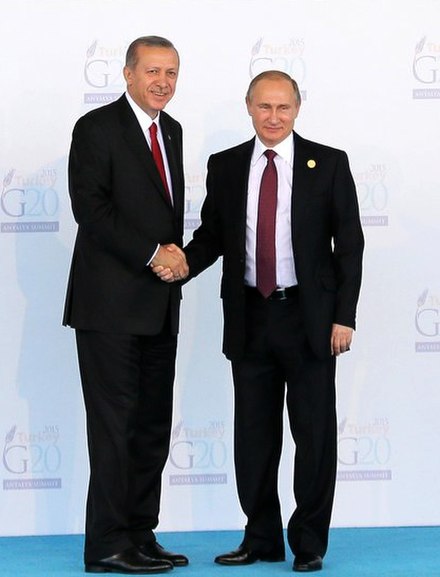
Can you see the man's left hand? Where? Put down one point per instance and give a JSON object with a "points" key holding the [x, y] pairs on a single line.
{"points": [[341, 339]]}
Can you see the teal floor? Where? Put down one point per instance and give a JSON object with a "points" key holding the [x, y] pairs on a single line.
{"points": [[381, 552]]}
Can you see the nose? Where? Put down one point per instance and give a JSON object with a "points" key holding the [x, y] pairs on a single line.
{"points": [[161, 79], [273, 116]]}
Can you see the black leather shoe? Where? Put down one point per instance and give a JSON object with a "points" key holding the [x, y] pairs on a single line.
{"points": [[244, 556], [307, 562], [129, 561], [156, 551]]}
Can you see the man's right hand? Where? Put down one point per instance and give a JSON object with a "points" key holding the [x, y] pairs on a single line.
{"points": [[170, 263]]}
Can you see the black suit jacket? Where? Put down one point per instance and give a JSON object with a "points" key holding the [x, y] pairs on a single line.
{"points": [[326, 233], [119, 203]]}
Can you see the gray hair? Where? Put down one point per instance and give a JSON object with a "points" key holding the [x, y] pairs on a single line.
{"points": [[131, 58], [273, 75]]}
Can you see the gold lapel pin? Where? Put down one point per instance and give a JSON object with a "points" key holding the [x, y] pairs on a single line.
{"points": [[311, 163]]}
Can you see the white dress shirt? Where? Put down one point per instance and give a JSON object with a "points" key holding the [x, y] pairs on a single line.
{"points": [[145, 122], [285, 265]]}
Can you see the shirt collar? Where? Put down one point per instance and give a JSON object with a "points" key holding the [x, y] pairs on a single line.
{"points": [[284, 149], [144, 120]]}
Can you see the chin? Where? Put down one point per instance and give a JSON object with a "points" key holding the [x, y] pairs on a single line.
{"points": [[273, 139]]}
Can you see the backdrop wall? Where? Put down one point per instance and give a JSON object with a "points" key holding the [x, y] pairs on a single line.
{"points": [[369, 72]]}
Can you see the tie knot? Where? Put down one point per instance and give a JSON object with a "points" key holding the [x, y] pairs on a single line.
{"points": [[270, 154], [153, 129]]}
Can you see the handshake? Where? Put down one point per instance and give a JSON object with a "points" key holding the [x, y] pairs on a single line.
{"points": [[170, 264]]}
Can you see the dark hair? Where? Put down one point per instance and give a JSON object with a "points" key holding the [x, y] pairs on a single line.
{"points": [[273, 75], [131, 58]]}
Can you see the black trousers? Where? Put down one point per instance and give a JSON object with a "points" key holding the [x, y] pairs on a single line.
{"points": [[278, 364], [127, 384]]}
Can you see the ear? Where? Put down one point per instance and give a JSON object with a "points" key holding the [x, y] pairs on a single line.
{"points": [[248, 105], [127, 74]]}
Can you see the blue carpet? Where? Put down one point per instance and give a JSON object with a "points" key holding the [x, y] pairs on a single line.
{"points": [[372, 552]]}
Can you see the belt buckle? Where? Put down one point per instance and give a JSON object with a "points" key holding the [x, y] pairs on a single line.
{"points": [[279, 294]]}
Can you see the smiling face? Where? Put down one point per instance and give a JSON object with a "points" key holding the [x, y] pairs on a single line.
{"points": [[151, 81], [273, 107]]}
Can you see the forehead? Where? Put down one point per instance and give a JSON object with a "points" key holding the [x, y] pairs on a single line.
{"points": [[157, 56], [273, 89]]}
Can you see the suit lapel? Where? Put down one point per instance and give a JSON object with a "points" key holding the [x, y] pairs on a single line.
{"points": [[174, 157], [137, 143]]}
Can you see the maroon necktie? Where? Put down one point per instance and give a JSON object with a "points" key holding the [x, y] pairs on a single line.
{"points": [[267, 205], [157, 155]]}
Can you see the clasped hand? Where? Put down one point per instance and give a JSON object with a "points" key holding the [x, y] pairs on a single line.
{"points": [[170, 263]]}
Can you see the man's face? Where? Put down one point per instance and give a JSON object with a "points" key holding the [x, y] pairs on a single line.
{"points": [[152, 82], [273, 109]]}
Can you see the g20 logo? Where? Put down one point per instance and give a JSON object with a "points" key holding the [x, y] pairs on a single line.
{"points": [[275, 56], [36, 200], [427, 318], [426, 66], [22, 456], [30, 202], [372, 190], [198, 454], [103, 72], [364, 451]]}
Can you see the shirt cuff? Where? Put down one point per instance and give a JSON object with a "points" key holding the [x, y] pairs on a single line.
{"points": [[154, 254]]}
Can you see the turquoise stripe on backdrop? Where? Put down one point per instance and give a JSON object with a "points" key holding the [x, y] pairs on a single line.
{"points": [[366, 552]]}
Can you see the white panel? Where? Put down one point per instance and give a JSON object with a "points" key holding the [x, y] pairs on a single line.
{"points": [[370, 77]]}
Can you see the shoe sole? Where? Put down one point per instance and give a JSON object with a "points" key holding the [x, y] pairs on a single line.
{"points": [[307, 569], [232, 563], [99, 569], [179, 563]]}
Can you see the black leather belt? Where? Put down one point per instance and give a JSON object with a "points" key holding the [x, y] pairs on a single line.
{"points": [[280, 294]]}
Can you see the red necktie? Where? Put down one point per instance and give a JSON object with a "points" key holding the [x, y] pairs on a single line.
{"points": [[157, 155], [267, 205]]}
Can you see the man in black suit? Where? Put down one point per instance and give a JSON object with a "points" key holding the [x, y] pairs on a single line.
{"points": [[129, 205], [290, 285]]}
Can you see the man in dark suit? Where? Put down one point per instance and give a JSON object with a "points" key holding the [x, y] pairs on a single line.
{"points": [[283, 213], [128, 203]]}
